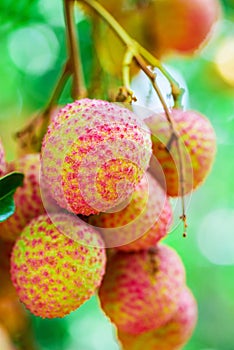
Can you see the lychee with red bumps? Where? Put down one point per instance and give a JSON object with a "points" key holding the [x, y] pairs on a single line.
{"points": [[197, 141], [53, 274], [93, 155], [141, 223], [140, 290], [171, 336], [27, 198]]}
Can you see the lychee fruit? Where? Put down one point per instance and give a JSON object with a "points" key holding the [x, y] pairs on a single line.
{"points": [[171, 336], [2, 160], [181, 25], [140, 290], [142, 223], [27, 199], [53, 274], [198, 148], [93, 155]]}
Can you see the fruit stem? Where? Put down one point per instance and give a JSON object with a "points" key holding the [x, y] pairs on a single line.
{"points": [[134, 46], [78, 85], [142, 57], [174, 134], [31, 135], [128, 57]]}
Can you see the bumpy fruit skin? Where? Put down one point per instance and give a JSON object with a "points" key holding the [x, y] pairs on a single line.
{"points": [[2, 160], [181, 25], [198, 149], [143, 222], [27, 199], [173, 335], [54, 275], [140, 290], [93, 155]]}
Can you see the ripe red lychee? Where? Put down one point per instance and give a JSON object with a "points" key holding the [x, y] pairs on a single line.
{"points": [[197, 144], [140, 290], [181, 25], [93, 155], [53, 274], [2, 160], [173, 335], [27, 199], [142, 223]]}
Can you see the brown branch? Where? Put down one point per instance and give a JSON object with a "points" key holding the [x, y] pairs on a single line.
{"points": [[142, 57], [174, 135], [78, 85], [30, 137], [134, 46]]}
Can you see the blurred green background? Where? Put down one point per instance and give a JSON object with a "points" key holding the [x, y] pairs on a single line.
{"points": [[32, 52]]}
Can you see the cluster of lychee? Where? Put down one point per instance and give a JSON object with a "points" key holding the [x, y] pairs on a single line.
{"points": [[90, 218]]}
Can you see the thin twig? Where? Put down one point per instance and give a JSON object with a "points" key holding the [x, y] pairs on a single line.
{"points": [[133, 45], [174, 134], [29, 138], [142, 57], [128, 58], [78, 84]]}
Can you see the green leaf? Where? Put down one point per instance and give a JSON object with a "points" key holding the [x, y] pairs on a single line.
{"points": [[8, 186]]}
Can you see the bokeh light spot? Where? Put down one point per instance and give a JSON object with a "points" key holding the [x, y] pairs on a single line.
{"points": [[52, 11], [216, 237], [225, 60], [33, 49], [147, 97]]}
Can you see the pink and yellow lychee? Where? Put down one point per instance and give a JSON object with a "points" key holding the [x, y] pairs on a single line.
{"points": [[181, 25], [197, 144], [140, 290], [27, 199], [171, 336], [93, 155], [53, 274], [142, 223]]}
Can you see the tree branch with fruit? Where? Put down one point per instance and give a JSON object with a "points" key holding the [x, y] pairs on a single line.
{"points": [[98, 178]]}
